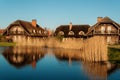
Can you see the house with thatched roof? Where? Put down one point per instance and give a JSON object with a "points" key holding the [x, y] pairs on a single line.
{"points": [[106, 27], [1, 31], [72, 31], [23, 31]]}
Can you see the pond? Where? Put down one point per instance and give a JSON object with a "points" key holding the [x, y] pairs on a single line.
{"points": [[34, 63]]}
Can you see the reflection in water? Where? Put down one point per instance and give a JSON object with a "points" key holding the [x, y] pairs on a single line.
{"points": [[2, 49], [94, 70], [20, 56], [63, 54]]}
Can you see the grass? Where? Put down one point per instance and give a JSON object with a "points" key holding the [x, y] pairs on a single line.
{"points": [[7, 44], [114, 54]]}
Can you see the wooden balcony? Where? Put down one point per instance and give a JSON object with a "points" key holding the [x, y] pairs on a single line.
{"points": [[39, 35], [23, 33], [16, 32], [106, 32]]}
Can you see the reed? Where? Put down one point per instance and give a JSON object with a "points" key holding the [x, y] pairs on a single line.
{"points": [[95, 49], [66, 43]]}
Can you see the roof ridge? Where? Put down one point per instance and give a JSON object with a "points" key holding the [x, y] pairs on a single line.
{"points": [[74, 24], [107, 19]]}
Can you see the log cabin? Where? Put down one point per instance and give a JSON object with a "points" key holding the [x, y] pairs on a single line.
{"points": [[106, 27], [72, 31], [24, 31]]}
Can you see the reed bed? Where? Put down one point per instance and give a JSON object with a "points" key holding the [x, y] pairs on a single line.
{"points": [[95, 49]]}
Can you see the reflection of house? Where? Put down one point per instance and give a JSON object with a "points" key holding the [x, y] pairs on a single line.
{"points": [[107, 28], [70, 30], [24, 31], [22, 56], [100, 70]]}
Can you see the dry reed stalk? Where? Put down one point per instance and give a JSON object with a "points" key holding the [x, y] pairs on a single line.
{"points": [[95, 49]]}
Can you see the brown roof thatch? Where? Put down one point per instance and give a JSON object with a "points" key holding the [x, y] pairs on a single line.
{"points": [[27, 26], [105, 20], [75, 28]]}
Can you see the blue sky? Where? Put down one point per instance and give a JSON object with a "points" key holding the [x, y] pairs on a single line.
{"points": [[52, 13]]}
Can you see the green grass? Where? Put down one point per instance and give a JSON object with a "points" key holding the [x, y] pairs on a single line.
{"points": [[7, 44], [114, 54]]}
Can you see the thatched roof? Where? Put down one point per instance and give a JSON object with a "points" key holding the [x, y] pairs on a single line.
{"points": [[105, 20], [75, 28], [27, 26]]}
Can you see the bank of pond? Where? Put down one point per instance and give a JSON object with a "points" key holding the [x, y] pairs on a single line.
{"points": [[114, 55], [7, 44]]}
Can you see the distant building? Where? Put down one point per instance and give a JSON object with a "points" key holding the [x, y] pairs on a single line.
{"points": [[1, 31], [24, 31], [106, 27], [72, 31]]}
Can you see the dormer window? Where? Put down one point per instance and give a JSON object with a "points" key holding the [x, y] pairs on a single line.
{"points": [[34, 31], [39, 31], [71, 33], [61, 33], [81, 33], [45, 32]]}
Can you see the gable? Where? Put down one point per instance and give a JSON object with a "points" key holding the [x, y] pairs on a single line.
{"points": [[106, 23], [24, 27], [16, 28], [106, 27]]}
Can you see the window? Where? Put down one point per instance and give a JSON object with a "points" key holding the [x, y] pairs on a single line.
{"points": [[45, 32], [19, 28], [13, 28], [102, 29], [34, 31], [81, 33], [71, 33], [108, 39], [61, 33], [40, 31], [109, 29]]}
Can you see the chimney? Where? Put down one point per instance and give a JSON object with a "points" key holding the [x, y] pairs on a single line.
{"points": [[99, 19], [70, 26], [34, 22]]}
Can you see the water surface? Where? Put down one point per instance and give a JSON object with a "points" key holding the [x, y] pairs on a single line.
{"points": [[34, 63]]}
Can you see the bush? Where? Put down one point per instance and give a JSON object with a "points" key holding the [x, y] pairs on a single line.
{"points": [[60, 37]]}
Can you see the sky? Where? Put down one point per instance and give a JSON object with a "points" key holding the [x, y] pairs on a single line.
{"points": [[53, 13]]}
